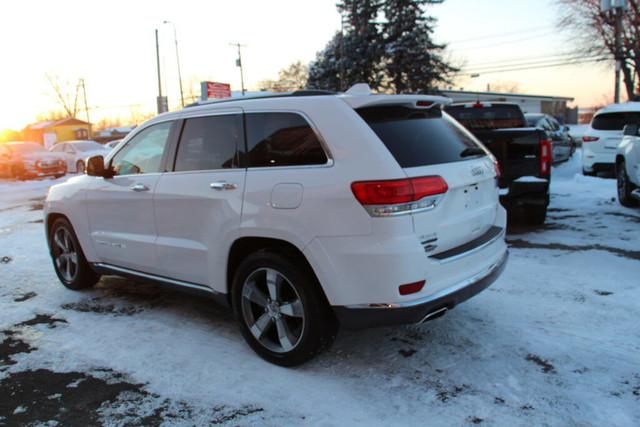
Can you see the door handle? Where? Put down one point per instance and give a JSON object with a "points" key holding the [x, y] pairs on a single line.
{"points": [[222, 185], [140, 187]]}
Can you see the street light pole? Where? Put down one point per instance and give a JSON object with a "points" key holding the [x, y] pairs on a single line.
{"points": [[160, 98], [175, 38]]}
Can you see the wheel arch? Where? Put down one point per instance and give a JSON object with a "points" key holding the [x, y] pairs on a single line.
{"points": [[245, 246]]}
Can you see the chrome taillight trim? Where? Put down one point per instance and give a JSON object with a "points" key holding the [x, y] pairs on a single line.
{"points": [[423, 205]]}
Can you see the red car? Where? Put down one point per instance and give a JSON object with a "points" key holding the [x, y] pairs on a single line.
{"points": [[25, 160]]}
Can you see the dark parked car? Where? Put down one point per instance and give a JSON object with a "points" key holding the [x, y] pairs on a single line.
{"points": [[24, 160], [562, 142]]}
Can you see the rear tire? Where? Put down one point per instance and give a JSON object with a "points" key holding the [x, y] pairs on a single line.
{"points": [[586, 173], [625, 187], [69, 262], [282, 312]]}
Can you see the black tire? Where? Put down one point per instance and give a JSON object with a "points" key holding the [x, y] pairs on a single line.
{"points": [[585, 173], [625, 187], [80, 166], [69, 262], [535, 214], [287, 322]]}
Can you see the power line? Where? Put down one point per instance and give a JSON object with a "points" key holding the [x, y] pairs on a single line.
{"points": [[559, 64], [522, 31], [570, 59]]}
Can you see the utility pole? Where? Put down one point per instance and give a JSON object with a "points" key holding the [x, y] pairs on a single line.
{"points": [[616, 10], [86, 106], [239, 64], [341, 53], [618, 16]]}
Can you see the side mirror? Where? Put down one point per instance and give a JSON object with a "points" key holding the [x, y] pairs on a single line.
{"points": [[95, 166], [566, 128], [630, 129]]}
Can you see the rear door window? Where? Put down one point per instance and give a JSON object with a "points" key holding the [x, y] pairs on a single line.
{"points": [[282, 139], [421, 137]]}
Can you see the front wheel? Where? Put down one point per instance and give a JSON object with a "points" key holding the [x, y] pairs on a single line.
{"points": [[69, 262], [625, 187], [282, 312]]}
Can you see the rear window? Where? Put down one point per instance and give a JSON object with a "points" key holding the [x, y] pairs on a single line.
{"points": [[614, 121], [494, 116], [419, 137]]}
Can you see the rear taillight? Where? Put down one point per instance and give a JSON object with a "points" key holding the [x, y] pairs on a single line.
{"points": [[399, 196], [586, 138], [498, 169], [545, 156]]}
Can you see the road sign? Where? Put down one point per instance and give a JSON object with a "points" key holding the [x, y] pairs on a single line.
{"points": [[213, 90]]}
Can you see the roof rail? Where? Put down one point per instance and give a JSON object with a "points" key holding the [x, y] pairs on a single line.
{"points": [[302, 92]]}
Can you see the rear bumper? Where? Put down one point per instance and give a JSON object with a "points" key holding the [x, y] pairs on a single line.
{"points": [[420, 310], [598, 161], [533, 192]]}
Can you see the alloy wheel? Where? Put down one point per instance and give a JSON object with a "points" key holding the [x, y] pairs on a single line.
{"points": [[65, 254], [272, 310]]}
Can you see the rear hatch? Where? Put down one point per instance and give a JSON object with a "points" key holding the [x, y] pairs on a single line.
{"points": [[606, 130], [426, 142]]}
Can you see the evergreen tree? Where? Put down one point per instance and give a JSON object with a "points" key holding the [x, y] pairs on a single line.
{"points": [[413, 61], [353, 55], [324, 72]]}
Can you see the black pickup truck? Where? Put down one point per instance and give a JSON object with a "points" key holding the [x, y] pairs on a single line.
{"points": [[524, 154]]}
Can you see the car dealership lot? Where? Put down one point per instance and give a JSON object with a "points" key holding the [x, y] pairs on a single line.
{"points": [[554, 341]]}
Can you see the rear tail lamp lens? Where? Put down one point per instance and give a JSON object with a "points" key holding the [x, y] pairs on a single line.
{"points": [[586, 138], [545, 156], [400, 196], [411, 288]]}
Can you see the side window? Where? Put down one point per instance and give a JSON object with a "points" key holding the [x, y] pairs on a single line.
{"points": [[282, 139], [57, 148], [143, 153], [209, 143], [69, 149]]}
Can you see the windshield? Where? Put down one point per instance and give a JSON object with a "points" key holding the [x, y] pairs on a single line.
{"points": [[25, 147], [487, 116], [88, 146], [419, 137]]}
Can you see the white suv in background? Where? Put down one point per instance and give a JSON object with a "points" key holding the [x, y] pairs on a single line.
{"points": [[302, 212], [601, 139], [628, 167]]}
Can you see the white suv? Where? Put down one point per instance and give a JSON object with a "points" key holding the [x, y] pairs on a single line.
{"points": [[628, 167], [601, 139], [302, 212]]}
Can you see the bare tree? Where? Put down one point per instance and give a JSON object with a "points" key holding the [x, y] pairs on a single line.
{"points": [[294, 77], [593, 34], [65, 93]]}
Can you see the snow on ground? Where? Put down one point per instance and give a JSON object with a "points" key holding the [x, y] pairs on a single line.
{"points": [[555, 341]]}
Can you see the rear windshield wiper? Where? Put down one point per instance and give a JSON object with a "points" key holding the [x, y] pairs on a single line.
{"points": [[472, 151]]}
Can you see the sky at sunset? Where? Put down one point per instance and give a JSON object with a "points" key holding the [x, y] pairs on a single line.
{"points": [[111, 45]]}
